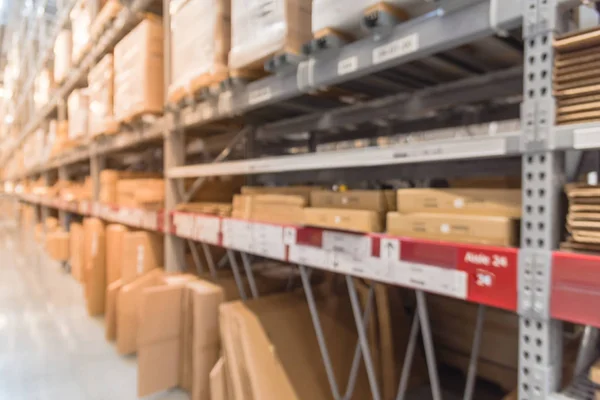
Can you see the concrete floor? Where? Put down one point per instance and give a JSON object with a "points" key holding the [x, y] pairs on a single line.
{"points": [[50, 349]]}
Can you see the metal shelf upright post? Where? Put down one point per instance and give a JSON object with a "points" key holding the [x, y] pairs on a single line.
{"points": [[540, 337]]}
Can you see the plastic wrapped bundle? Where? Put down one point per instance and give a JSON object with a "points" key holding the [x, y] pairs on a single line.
{"points": [[200, 42], [344, 17], [62, 55], [77, 111], [263, 28], [101, 85]]}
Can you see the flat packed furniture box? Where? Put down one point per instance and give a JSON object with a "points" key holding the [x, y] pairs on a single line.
{"points": [[143, 251], [57, 245], [200, 42], [147, 192], [77, 111], [94, 265], [138, 61], [260, 30], [115, 242], [81, 19], [101, 95], [76, 250], [344, 219], [62, 55]]}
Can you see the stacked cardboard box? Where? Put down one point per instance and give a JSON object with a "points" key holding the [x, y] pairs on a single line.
{"points": [[101, 93], [77, 111], [58, 137], [482, 216], [577, 76], [220, 209], [142, 251], [200, 40], [43, 85], [81, 19], [258, 34], [115, 252], [278, 205], [57, 245], [62, 55], [77, 249], [109, 179], [138, 62], [141, 193], [353, 210], [94, 269], [583, 218]]}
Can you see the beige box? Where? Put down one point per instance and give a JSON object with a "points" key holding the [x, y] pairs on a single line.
{"points": [[200, 42], [258, 33], [76, 252], [110, 310], [128, 310], [344, 219], [95, 265], [143, 251], [77, 110], [57, 245], [303, 191], [138, 61], [115, 242], [374, 200], [101, 95], [62, 55], [43, 85], [500, 231], [500, 202], [140, 192]]}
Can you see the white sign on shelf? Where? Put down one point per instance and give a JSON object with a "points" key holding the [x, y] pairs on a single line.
{"points": [[397, 48], [356, 245], [207, 229], [184, 225]]}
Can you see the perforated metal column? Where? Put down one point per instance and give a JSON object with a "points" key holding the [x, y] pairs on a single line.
{"points": [[540, 344]]}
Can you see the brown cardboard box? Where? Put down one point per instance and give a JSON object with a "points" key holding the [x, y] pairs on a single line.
{"points": [[128, 308], [140, 192], [138, 61], [349, 220], [497, 202], [303, 191], [110, 318], [57, 245], [94, 265], [115, 241], [81, 19], [143, 251], [500, 231], [101, 94], [374, 200], [76, 247], [109, 179], [218, 381], [51, 224], [263, 340], [77, 110]]}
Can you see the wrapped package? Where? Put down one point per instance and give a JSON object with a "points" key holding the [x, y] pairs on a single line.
{"points": [[42, 85], [77, 111], [139, 80], [58, 137], [62, 55], [345, 16], [100, 91], [81, 19], [200, 42], [263, 28]]}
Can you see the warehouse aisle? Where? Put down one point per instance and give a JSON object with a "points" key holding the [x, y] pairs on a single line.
{"points": [[50, 349]]}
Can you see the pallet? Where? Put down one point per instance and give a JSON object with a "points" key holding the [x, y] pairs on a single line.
{"points": [[198, 87], [141, 116], [105, 18]]}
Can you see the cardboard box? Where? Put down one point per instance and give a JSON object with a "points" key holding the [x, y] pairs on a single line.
{"points": [[128, 309], [62, 55], [218, 381], [81, 19], [500, 231], [77, 110], [138, 61], [344, 219], [94, 265], [374, 200], [76, 247], [109, 179], [57, 245], [165, 321], [141, 192], [303, 191], [143, 251], [115, 242], [200, 40], [43, 85], [492, 202], [101, 94], [110, 318]]}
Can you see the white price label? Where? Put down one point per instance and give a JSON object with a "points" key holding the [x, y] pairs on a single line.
{"points": [[259, 95], [310, 256], [397, 48], [389, 249], [358, 246], [289, 235], [347, 65]]}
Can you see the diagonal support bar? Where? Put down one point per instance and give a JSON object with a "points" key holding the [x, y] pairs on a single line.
{"points": [[236, 274], [408, 358], [195, 257], [249, 275], [472, 372], [362, 337], [209, 260], [436, 392]]}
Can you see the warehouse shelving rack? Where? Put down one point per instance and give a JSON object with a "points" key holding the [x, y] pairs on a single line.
{"points": [[543, 285]]}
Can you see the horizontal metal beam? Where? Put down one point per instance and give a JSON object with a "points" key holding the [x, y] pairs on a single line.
{"points": [[439, 150]]}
